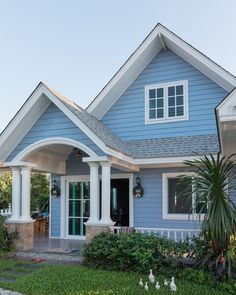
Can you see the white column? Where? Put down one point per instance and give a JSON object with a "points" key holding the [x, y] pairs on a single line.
{"points": [[94, 193], [25, 194], [16, 192], [106, 193]]}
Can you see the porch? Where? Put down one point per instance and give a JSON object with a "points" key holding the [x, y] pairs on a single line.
{"points": [[45, 248]]}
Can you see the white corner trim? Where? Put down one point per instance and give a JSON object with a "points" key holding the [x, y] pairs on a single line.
{"points": [[56, 140]]}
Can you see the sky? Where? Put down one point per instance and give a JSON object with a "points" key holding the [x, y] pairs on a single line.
{"points": [[76, 46]]}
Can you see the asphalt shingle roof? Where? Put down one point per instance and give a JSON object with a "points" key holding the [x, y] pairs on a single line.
{"points": [[146, 148], [173, 146]]}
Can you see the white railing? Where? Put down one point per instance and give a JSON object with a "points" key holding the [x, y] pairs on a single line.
{"points": [[170, 233], [6, 212]]}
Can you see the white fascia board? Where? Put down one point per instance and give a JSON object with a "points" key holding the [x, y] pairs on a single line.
{"points": [[126, 75], [84, 128], [22, 122], [166, 160], [180, 47], [199, 60]]}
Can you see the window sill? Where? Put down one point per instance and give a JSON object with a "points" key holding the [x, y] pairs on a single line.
{"points": [[193, 217], [156, 121]]}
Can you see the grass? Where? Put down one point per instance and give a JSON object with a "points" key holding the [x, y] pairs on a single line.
{"points": [[57, 279]]}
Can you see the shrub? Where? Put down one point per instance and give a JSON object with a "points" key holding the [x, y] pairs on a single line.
{"points": [[6, 239], [133, 252]]}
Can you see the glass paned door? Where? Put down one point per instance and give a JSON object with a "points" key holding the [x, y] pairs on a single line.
{"points": [[78, 207]]}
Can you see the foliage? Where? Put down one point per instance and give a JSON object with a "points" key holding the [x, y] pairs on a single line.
{"points": [[133, 252], [39, 192], [5, 189], [76, 280], [213, 182], [6, 239]]}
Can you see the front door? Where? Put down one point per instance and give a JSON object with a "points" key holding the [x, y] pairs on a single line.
{"points": [[78, 203]]}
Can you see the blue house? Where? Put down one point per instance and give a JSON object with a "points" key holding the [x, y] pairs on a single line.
{"points": [[166, 103]]}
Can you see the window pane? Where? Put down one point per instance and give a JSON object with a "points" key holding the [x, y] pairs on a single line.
{"points": [[171, 91], [179, 89], [86, 190], [86, 208], [75, 226], [74, 190], [160, 103], [171, 112], [152, 103], [180, 111], [171, 101], [160, 113], [160, 92], [179, 196], [201, 205], [152, 93], [152, 114], [180, 100], [74, 208]]}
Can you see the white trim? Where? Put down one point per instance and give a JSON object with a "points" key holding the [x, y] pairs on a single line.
{"points": [[129, 176], [165, 214], [50, 208], [64, 204], [57, 140], [142, 55], [162, 41], [164, 160], [166, 118]]}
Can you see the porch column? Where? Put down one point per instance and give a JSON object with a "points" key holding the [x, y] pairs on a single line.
{"points": [[106, 193], [25, 209], [94, 193], [16, 192]]}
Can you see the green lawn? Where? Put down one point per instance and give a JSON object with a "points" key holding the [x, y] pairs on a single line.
{"points": [[57, 279]]}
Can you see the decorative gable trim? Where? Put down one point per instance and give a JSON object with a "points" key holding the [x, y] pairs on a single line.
{"points": [[159, 38], [30, 112]]}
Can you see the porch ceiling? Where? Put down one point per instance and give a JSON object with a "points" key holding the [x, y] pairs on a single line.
{"points": [[51, 158]]}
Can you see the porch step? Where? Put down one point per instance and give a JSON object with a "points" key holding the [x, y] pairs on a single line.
{"points": [[68, 257]]}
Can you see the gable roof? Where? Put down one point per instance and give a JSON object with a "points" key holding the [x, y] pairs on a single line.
{"points": [[159, 38], [37, 103]]}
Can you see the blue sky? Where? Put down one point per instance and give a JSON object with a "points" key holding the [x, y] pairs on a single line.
{"points": [[76, 46]]}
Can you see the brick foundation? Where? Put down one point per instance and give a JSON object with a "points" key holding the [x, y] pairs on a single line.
{"points": [[25, 232], [93, 230]]}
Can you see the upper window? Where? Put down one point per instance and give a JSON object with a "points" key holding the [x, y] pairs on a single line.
{"points": [[166, 102], [178, 199]]}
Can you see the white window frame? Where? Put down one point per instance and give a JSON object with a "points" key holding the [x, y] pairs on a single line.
{"points": [[165, 88], [165, 213]]}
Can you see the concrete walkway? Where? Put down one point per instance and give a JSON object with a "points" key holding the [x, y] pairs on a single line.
{"points": [[8, 292]]}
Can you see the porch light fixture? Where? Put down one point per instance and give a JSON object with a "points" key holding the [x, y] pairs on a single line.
{"points": [[77, 152], [138, 190], [55, 191]]}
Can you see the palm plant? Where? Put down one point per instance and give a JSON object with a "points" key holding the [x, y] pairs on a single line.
{"points": [[213, 185]]}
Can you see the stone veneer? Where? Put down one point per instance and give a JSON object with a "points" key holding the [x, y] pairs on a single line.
{"points": [[93, 230], [25, 231]]}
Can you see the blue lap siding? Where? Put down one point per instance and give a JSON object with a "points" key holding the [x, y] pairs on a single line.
{"points": [[126, 117], [54, 123], [148, 209]]}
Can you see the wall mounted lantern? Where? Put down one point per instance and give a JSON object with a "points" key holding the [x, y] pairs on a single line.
{"points": [[55, 191], [138, 190]]}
